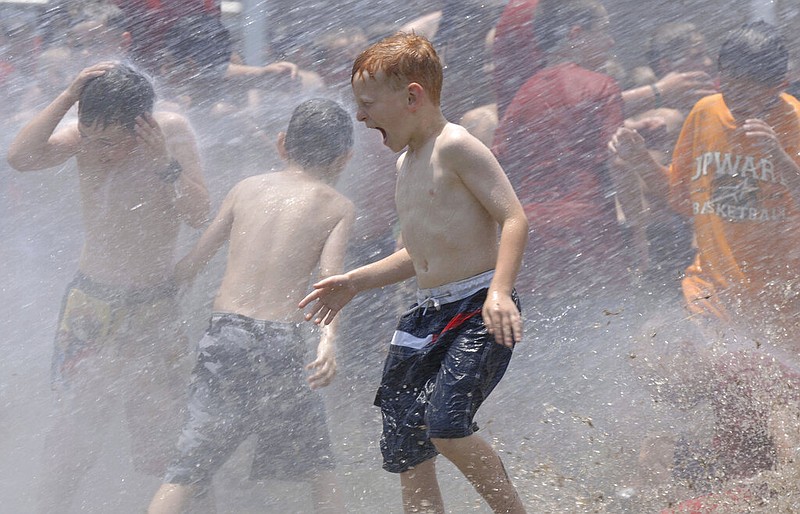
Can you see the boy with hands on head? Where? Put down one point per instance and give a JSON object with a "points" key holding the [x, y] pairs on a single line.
{"points": [[453, 346], [119, 337]]}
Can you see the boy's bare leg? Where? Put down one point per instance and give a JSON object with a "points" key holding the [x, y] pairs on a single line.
{"points": [[326, 494], [177, 499], [74, 441], [68, 456], [478, 461], [170, 499], [420, 488]]}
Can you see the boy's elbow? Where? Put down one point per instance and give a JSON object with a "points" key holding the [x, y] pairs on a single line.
{"points": [[18, 161], [525, 228], [524, 222], [520, 219]]}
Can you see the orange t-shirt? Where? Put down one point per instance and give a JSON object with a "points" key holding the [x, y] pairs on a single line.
{"points": [[746, 222]]}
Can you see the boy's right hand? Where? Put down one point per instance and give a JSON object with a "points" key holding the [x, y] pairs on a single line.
{"points": [[763, 135], [627, 144], [74, 90], [330, 296]]}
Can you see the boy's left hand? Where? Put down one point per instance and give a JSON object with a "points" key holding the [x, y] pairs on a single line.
{"points": [[148, 130], [324, 369], [502, 318]]}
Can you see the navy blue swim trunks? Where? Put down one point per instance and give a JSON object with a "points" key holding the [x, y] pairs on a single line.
{"points": [[250, 379], [442, 365]]}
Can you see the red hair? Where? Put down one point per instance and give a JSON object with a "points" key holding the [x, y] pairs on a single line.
{"points": [[403, 58]]}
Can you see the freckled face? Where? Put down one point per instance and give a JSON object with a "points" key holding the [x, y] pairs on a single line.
{"points": [[383, 108], [113, 143]]}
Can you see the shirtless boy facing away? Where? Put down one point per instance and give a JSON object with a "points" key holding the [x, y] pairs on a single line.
{"points": [[451, 349], [249, 377], [118, 334]]}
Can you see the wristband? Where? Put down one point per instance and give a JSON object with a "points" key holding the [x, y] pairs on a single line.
{"points": [[171, 172], [656, 95]]}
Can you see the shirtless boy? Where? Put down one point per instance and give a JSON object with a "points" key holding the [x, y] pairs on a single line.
{"points": [[118, 336], [451, 349], [249, 376]]}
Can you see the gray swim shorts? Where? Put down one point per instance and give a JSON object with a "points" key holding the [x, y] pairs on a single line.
{"points": [[250, 379]]}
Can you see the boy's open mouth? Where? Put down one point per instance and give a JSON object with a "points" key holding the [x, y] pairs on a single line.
{"points": [[383, 132]]}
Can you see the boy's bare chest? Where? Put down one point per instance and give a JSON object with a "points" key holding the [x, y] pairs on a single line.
{"points": [[123, 192], [425, 197]]}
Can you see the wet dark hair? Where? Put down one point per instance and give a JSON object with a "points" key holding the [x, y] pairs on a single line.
{"points": [[554, 18], [202, 38], [117, 97], [319, 132], [755, 51]]}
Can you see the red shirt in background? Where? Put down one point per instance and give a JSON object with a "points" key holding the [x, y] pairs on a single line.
{"points": [[552, 144]]}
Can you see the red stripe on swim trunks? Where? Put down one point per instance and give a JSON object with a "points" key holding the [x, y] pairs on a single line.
{"points": [[458, 320]]}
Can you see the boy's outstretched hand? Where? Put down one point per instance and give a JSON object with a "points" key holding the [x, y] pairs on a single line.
{"points": [[324, 366], [330, 295], [502, 318]]}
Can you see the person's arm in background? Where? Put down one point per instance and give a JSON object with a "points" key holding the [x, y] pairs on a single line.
{"points": [[675, 88]]}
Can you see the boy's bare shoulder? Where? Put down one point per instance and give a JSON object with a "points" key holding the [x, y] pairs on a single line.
{"points": [[337, 199], [455, 145], [327, 196], [68, 131], [454, 136], [172, 122]]}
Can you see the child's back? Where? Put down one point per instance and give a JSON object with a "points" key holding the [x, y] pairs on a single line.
{"points": [[249, 377], [281, 224]]}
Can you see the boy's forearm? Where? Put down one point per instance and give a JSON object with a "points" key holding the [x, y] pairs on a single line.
{"points": [[29, 146], [189, 266], [186, 269], [513, 238], [392, 269], [206, 247], [192, 201], [654, 175], [639, 99]]}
